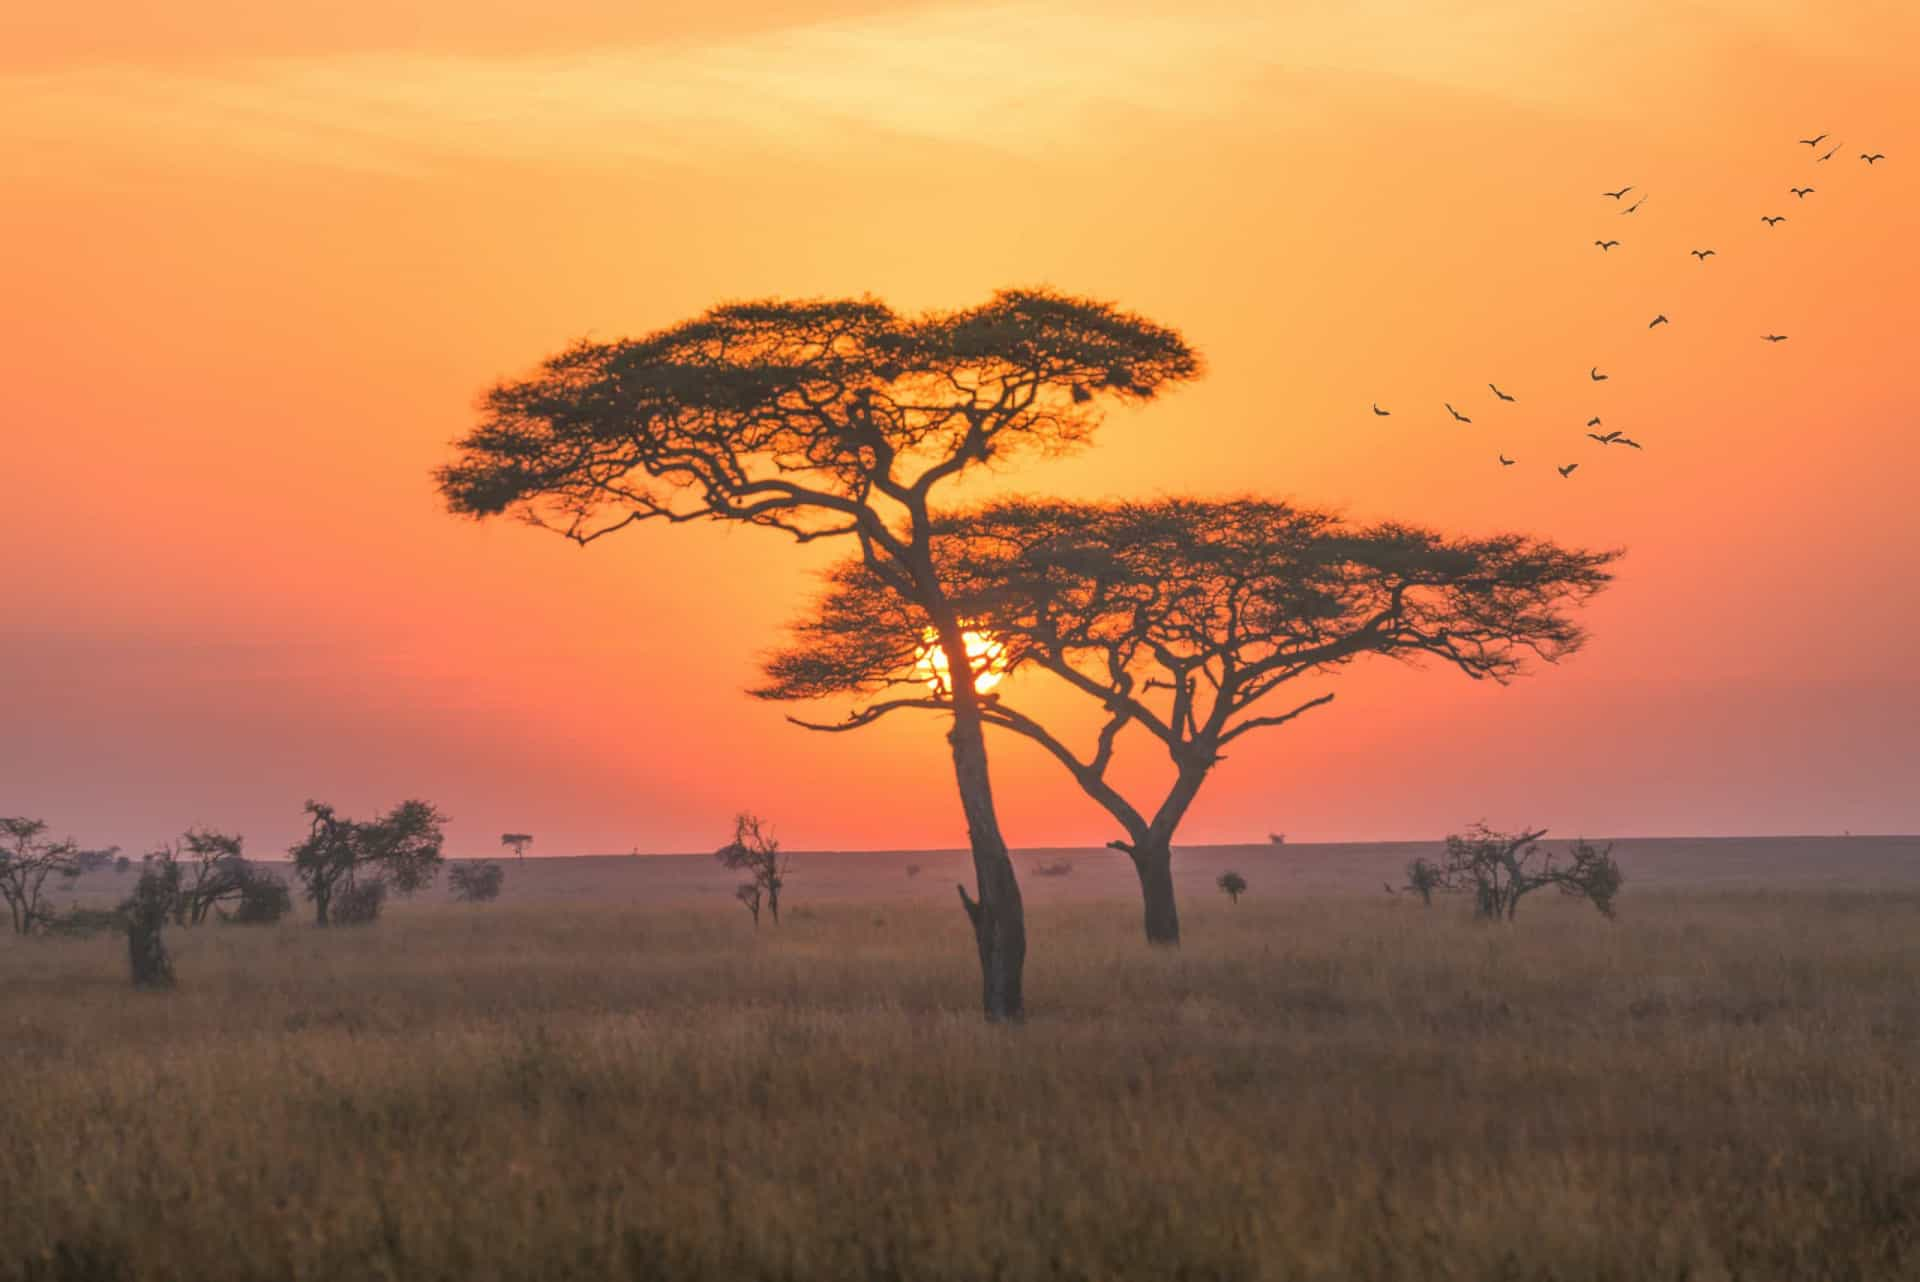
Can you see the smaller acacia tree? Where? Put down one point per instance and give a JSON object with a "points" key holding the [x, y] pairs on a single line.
{"points": [[517, 842], [478, 882], [211, 871], [1500, 869], [355, 861], [755, 851], [1423, 878], [1232, 884], [27, 859]]}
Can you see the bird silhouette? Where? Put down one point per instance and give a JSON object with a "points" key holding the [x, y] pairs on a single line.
{"points": [[1457, 414], [1617, 194], [1627, 440], [1504, 460], [1605, 245], [1773, 338], [1608, 439], [1875, 156], [1382, 413], [1568, 470], [1635, 205], [1594, 421], [1812, 142], [1702, 254], [1596, 375], [1836, 147], [1497, 392], [1801, 192], [1771, 219], [1661, 319]]}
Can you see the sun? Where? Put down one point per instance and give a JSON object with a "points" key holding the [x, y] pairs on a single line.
{"points": [[985, 655]]}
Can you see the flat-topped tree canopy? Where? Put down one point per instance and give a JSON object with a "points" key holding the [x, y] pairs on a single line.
{"points": [[816, 417], [1182, 613]]}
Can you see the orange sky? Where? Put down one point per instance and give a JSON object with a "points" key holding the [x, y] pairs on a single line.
{"points": [[256, 266]]}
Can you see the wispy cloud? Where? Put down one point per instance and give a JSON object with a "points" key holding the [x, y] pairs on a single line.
{"points": [[1014, 76]]}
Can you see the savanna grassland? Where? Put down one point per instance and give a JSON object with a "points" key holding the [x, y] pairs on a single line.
{"points": [[1722, 1084]]}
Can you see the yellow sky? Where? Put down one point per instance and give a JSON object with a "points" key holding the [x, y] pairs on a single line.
{"points": [[258, 262]]}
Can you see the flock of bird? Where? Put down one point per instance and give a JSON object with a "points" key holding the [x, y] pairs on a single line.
{"points": [[1594, 374]]}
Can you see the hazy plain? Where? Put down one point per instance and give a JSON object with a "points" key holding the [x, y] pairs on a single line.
{"points": [[610, 1074]]}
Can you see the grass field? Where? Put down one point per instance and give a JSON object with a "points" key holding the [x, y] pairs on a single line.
{"points": [[1724, 1084]]}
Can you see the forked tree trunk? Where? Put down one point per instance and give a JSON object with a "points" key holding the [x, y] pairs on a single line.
{"points": [[999, 917], [1153, 861]]}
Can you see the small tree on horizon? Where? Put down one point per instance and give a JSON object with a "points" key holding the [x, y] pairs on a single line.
{"points": [[517, 842], [756, 851], [822, 419], [1500, 869], [345, 857], [1233, 885]]}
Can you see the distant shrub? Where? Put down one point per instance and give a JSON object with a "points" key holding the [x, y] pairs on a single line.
{"points": [[146, 913], [750, 896], [477, 883], [83, 923], [1232, 884], [1054, 868], [1499, 869], [264, 900], [358, 904], [755, 851], [1423, 878], [122, 864], [913, 870]]}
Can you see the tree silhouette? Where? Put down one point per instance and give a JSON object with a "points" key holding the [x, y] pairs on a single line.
{"points": [[27, 859], [517, 842], [756, 851], [355, 859], [1186, 618], [1232, 885], [824, 419]]}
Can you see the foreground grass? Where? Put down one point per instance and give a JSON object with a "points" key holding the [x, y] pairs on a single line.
{"points": [[1714, 1087]]}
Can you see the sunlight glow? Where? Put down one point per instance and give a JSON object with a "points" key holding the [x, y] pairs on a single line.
{"points": [[985, 655]]}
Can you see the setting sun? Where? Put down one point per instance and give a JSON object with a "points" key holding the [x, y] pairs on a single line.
{"points": [[985, 655]]}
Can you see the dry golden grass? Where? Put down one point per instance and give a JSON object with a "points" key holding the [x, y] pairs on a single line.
{"points": [[1719, 1085]]}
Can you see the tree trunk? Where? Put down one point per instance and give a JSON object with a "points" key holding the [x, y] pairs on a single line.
{"points": [[1153, 861], [322, 895], [148, 952], [999, 917]]}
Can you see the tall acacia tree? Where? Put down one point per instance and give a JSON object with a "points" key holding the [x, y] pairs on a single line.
{"points": [[1188, 619], [824, 419]]}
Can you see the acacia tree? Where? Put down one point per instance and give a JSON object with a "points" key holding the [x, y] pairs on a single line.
{"points": [[517, 842], [1186, 619], [756, 851], [346, 857], [1501, 868], [27, 859], [825, 419]]}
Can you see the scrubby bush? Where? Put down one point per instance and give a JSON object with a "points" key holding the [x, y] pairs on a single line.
{"points": [[264, 900], [1499, 869], [477, 883], [1054, 868], [146, 913], [1423, 878], [358, 904], [1232, 884]]}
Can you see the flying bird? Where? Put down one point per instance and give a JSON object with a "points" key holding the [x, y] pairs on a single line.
{"points": [[1497, 392], [1702, 254], [1774, 338], [1875, 156], [1457, 414], [1617, 194], [1801, 192], [1568, 470], [1594, 421], [1661, 319], [1596, 375], [1836, 147], [1504, 460], [1382, 413], [1635, 205], [1628, 440], [1771, 219], [1605, 245], [1812, 142], [1608, 439]]}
